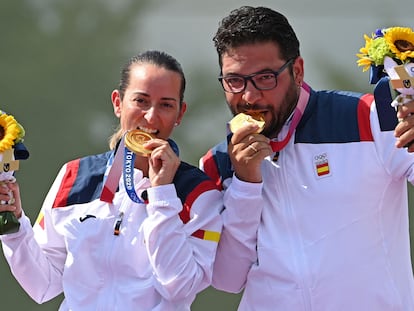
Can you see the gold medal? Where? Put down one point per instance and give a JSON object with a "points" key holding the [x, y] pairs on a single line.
{"points": [[135, 139], [243, 119]]}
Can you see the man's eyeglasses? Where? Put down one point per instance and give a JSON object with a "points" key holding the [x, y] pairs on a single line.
{"points": [[266, 80]]}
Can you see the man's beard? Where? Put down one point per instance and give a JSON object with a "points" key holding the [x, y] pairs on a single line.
{"points": [[287, 106], [273, 128]]}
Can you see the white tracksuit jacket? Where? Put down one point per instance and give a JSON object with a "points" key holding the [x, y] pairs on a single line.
{"points": [[159, 260], [327, 230]]}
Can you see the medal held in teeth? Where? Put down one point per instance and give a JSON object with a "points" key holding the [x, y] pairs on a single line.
{"points": [[243, 119], [135, 139]]}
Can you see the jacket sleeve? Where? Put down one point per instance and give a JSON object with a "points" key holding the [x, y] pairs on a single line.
{"points": [[37, 254], [398, 162], [182, 252], [236, 252]]}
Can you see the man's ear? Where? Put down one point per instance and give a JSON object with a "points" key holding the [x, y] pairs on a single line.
{"points": [[298, 71]]}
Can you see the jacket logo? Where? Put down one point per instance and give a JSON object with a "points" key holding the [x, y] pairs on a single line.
{"points": [[82, 219], [321, 165]]}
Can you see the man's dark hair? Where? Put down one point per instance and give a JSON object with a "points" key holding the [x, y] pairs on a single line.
{"points": [[247, 25]]}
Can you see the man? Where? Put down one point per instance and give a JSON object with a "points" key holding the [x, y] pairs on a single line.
{"points": [[316, 212]]}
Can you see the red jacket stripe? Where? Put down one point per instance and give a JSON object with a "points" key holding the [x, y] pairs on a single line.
{"points": [[192, 196], [68, 181], [210, 168], [364, 107]]}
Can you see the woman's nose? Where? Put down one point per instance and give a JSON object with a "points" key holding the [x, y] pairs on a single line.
{"points": [[150, 114]]}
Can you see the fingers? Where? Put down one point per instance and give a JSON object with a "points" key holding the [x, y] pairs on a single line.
{"points": [[161, 151], [247, 141], [253, 148], [163, 162], [6, 195], [405, 110], [404, 130], [10, 198], [247, 150], [410, 147], [244, 131], [406, 139]]}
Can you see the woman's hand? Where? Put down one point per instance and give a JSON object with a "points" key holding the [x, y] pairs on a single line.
{"points": [[163, 162], [9, 191]]}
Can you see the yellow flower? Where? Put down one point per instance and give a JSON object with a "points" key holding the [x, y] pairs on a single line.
{"points": [[9, 132], [395, 42], [401, 42], [364, 59]]}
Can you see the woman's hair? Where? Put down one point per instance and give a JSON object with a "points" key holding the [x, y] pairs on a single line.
{"points": [[157, 58], [249, 25]]}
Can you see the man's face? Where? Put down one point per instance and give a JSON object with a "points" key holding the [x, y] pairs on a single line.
{"points": [[275, 104]]}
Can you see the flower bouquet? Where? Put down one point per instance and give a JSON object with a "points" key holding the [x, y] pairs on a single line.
{"points": [[11, 151], [389, 54]]}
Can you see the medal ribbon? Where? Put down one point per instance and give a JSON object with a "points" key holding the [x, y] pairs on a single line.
{"points": [[297, 115], [123, 162], [128, 169]]}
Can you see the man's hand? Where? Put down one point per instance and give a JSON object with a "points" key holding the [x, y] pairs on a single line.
{"points": [[247, 149], [404, 130]]}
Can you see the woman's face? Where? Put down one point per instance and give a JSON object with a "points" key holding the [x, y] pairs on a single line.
{"points": [[151, 101]]}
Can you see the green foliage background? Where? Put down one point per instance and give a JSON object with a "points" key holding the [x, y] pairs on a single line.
{"points": [[60, 60]]}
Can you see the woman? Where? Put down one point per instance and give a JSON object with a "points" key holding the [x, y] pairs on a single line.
{"points": [[145, 241]]}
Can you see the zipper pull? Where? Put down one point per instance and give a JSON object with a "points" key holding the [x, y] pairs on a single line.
{"points": [[118, 223]]}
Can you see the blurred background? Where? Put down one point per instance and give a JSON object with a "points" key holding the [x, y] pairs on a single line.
{"points": [[60, 60]]}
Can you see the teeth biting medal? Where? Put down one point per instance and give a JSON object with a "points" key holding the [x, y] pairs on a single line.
{"points": [[135, 139]]}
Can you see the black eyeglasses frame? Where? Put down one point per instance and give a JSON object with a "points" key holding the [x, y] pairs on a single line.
{"points": [[251, 76]]}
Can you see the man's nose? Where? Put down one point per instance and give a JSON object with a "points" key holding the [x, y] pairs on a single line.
{"points": [[251, 94]]}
